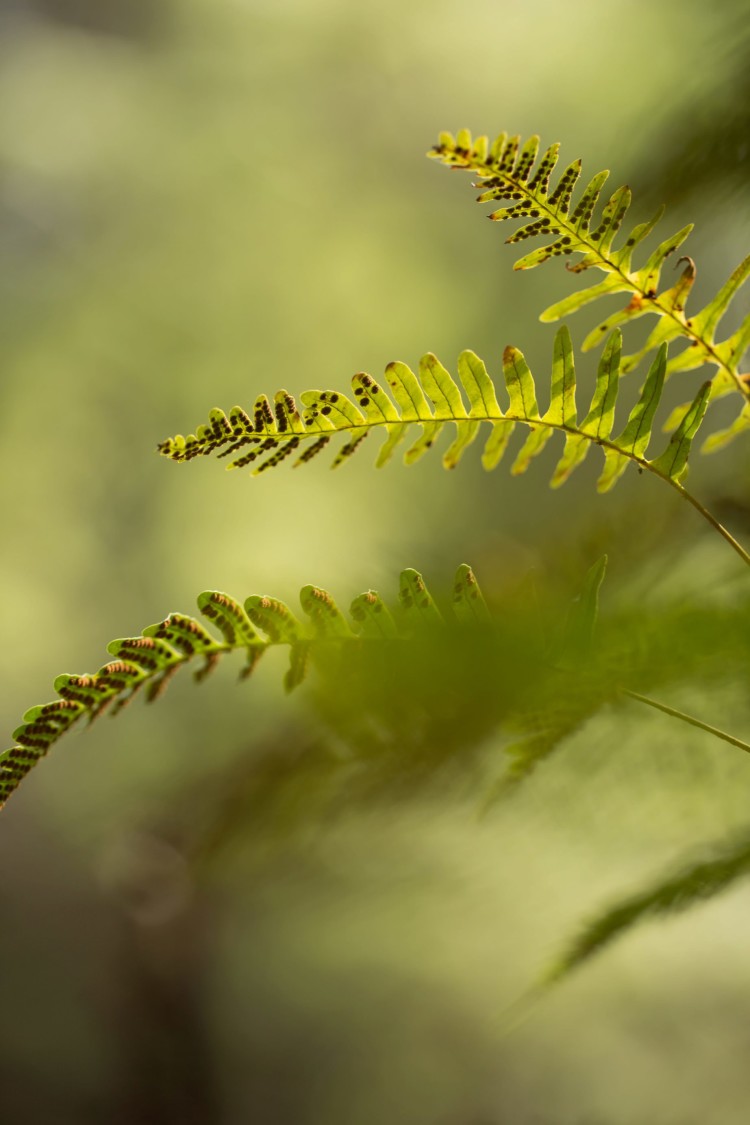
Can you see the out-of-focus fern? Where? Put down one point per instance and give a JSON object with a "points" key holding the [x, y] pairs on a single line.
{"points": [[387, 693], [147, 663], [693, 884], [413, 704], [509, 170]]}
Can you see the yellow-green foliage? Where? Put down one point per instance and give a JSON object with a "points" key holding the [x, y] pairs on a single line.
{"points": [[509, 170], [546, 692], [433, 399]]}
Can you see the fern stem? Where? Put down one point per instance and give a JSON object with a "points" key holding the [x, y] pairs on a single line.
{"points": [[711, 519], [608, 266], [651, 468], [675, 714]]}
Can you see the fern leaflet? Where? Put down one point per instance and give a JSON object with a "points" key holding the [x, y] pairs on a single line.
{"points": [[507, 172]]}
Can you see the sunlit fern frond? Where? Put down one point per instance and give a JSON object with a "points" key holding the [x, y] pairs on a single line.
{"points": [[509, 170], [146, 663], [433, 400], [724, 866]]}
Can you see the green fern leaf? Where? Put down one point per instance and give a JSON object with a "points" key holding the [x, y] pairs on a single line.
{"points": [[469, 605], [505, 173], [434, 399], [275, 619], [327, 620], [673, 461], [372, 617], [416, 601], [637, 433]]}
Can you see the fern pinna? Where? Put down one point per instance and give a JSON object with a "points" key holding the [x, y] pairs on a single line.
{"points": [[506, 171], [147, 663]]}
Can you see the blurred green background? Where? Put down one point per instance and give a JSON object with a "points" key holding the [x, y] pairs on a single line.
{"points": [[205, 199]]}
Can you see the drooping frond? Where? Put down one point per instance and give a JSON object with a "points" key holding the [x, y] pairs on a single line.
{"points": [[695, 883], [433, 399], [146, 663], [508, 170]]}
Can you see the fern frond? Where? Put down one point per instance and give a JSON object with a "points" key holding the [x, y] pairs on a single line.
{"points": [[433, 399], [147, 663], [695, 883], [507, 172]]}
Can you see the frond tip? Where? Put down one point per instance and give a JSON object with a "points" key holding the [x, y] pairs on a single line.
{"points": [[147, 663], [433, 399], [509, 170]]}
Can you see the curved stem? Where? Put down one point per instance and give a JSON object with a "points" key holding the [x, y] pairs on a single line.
{"points": [[675, 714], [711, 519]]}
